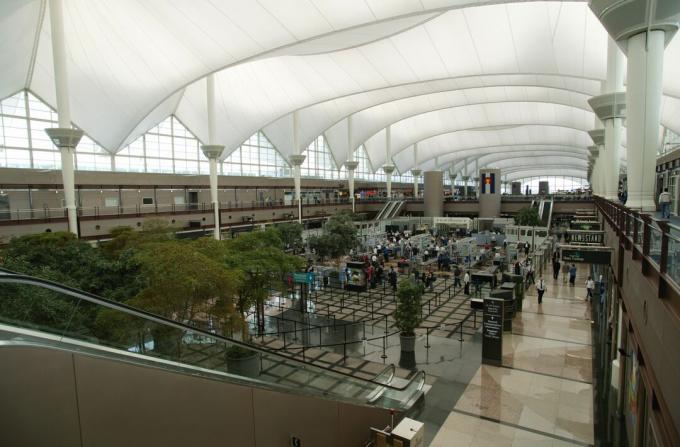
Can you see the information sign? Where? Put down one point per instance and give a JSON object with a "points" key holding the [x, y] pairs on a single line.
{"points": [[492, 333], [590, 255]]}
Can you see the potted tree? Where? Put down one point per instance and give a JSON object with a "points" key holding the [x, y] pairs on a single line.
{"points": [[407, 314]]}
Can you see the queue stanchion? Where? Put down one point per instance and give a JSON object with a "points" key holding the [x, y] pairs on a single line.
{"points": [[384, 354], [427, 338]]}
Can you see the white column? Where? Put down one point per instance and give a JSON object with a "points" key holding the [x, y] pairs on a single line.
{"points": [[643, 99], [213, 152], [388, 168], [416, 172], [350, 164], [64, 110], [296, 161], [613, 127]]}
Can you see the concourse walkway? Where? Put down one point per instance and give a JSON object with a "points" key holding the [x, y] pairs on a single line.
{"points": [[543, 393]]}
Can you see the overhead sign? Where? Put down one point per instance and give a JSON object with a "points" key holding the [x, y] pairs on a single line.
{"points": [[303, 278], [590, 255], [585, 225], [585, 237], [461, 222], [492, 333]]}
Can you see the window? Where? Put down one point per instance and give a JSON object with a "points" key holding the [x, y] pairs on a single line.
{"points": [[24, 143], [319, 162], [147, 200], [256, 157]]}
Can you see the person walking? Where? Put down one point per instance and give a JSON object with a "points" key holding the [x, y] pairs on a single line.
{"points": [[590, 286], [540, 289], [665, 203], [530, 273], [556, 268], [572, 275], [392, 276], [466, 283], [456, 277], [565, 272]]}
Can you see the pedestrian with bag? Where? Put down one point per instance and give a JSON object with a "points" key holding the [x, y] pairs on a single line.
{"points": [[540, 289], [466, 283]]}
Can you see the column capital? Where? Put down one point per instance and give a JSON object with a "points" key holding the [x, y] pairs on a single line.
{"points": [[597, 135], [297, 160], [351, 165], [609, 105], [64, 137], [623, 20], [594, 151], [212, 150], [466, 177], [388, 168], [416, 172]]}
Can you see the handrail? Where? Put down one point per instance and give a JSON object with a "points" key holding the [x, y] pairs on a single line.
{"points": [[8, 276], [638, 228]]}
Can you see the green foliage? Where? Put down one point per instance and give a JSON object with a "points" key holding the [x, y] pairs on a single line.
{"points": [[291, 235], [527, 216], [339, 236], [184, 280], [407, 314], [262, 262]]}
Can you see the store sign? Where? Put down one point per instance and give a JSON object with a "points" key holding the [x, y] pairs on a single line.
{"points": [[461, 222], [492, 333], [585, 237], [599, 255]]}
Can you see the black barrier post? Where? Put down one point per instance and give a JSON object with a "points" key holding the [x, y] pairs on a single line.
{"points": [[461, 332], [344, 344], [384, 354], [371, 310], [284, 340], [364, 330], [427, 339]]}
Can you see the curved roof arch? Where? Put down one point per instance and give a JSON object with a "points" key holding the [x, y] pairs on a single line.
{"points": [[133, 62], [330, 117], [474, 118], [449, 144], [533, 171]]}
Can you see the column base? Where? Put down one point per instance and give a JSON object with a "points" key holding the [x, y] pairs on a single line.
{"points": [[643, 204]]}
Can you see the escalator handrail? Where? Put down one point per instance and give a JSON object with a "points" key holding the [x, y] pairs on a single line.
{"points": [[15, 277]]}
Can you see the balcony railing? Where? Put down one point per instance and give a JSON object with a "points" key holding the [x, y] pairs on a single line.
{"points": [[655, 242]]}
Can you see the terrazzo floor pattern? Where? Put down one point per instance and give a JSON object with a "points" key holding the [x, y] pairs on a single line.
{"points": [[541, 396]]}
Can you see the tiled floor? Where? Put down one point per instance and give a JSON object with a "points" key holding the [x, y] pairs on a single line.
{"points": [[542, 396]]}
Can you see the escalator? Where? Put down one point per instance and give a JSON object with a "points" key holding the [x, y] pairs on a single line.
{"points": [[40, 313], [545, 213], [383, 211], [396, 209]]}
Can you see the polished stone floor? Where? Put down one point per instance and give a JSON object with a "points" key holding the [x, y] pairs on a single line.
{"points": [[541, 396]]}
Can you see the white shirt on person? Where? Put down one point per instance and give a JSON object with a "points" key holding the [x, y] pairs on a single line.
{"points": [[590, 284], [541, 285]]}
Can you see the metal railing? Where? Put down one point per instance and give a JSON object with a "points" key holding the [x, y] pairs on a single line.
{"points": [[655, 240]]}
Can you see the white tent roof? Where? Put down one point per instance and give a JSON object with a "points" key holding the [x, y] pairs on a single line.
{"points": [[452, 75]]}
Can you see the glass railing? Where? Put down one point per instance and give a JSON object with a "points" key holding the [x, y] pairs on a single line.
{"points": [[665, 259], [38, 311]]}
